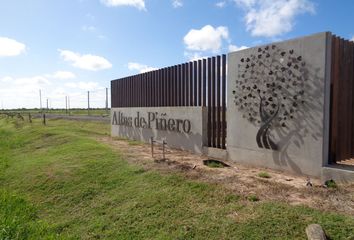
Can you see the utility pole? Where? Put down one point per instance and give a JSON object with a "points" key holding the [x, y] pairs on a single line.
{"points": [[47, 105], [69, 104], [40, 100], [88, 102], [66, 104], [107, 100]]}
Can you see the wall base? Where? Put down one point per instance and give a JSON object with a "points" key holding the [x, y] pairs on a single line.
{"points": [[215, 153], [339, 173]]}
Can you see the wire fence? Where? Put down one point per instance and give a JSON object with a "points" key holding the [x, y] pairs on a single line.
{"points": [[95, 101]]}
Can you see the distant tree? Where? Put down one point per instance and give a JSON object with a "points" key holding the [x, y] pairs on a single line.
{"points": [[269, 89]]}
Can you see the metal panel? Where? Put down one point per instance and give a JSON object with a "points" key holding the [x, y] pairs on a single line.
{"points": [[342, 101], [191, 91], [210, 141], [218, 101], [198, 83], [223, 102], [180, 85], [213, 62], [186, 86], [195, 84], [204, 82]]}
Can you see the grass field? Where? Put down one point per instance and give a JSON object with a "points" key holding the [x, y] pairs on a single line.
{"points": [[58, 182], [74, 111]]}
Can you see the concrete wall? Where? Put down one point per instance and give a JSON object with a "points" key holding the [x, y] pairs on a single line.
{"points": [[180, 127], [290, 132]]}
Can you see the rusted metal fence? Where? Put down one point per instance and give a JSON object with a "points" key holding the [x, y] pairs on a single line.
{"points": [[342, 100], [198, 83]]}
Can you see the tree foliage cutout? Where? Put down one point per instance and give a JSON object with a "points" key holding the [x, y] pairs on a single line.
{"points": [[270, 89]]}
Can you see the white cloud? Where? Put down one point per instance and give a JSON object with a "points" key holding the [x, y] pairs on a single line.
{"points": [[6, 79], [26, 83], [246, 3], [102, 37], [352, 39], [207, 38], [220, 4], [193, 56], [87, 86], [85, 61], [10, 47], [88, 28], [270, 18], [32, 81], [23, 91], [63, 75], [141, 68], [139, 4], [234, 48], [71, 85], [90, 16], [177, 3]]}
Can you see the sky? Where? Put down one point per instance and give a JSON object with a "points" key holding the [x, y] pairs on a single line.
{"points": [[68, 47]]}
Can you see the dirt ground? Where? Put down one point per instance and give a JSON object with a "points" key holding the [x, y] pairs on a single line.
{"points": [[241, 180]]}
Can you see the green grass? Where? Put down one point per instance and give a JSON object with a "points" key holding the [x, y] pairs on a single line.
{"points": [[264, 175], [253, 198], [19, 220], [57, 181], [134, 142], [74, 111]]}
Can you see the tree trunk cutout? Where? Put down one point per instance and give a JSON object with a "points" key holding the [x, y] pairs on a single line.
{"points": [[262, 137]]}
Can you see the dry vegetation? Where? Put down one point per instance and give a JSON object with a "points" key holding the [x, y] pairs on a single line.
{"points": [[242, 180]]}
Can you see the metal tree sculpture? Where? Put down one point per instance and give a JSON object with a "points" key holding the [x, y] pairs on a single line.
{"points": [[269, 89]]}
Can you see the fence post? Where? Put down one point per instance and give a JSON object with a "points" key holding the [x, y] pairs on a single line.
{"points": [[152, 146], [163, 149], [107, 100], [44, 120], [29, 117]]}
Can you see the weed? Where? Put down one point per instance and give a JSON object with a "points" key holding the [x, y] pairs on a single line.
{"points": [[229, 198], [215, 165], [253, 198], [331, 184], [264, 175]]}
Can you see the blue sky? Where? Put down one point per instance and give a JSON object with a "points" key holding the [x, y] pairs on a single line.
{"points": [[67, 47]]}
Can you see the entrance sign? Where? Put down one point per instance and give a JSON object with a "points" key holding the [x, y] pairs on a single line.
{"points": [[180, 127], [276, 105], [156, 120], [285, 105]]}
